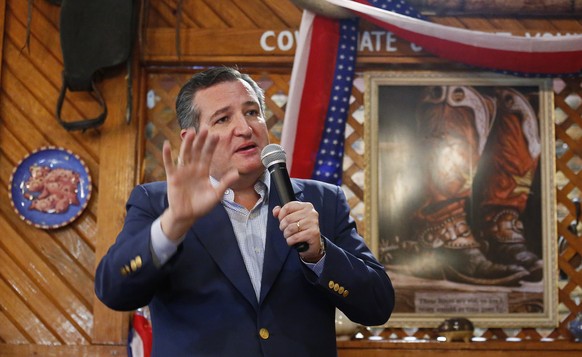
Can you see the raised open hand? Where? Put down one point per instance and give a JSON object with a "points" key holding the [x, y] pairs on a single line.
{"points": [[190, 193]]}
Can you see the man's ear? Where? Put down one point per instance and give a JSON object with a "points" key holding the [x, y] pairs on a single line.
{"points": [[184, 131]]}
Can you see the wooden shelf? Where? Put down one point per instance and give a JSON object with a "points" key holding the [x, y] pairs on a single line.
{"points": [[361, 348]]}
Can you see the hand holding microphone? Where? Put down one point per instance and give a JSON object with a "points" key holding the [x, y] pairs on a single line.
{"points": [[273, 158]]}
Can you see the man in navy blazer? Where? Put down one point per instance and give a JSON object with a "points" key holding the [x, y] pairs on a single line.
{"points": [[210, 250]]}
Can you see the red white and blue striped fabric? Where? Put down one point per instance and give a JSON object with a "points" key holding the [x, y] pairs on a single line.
{"points": [[320, 83], [547, 56]]}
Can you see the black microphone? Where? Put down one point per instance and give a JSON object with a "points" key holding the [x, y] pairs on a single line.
{"points": [[273, 158]]}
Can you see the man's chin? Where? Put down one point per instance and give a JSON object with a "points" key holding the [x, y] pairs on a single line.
{"points": [[252, 171]]}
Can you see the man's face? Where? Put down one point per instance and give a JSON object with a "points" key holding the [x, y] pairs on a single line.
{"points": [[231, 111]]}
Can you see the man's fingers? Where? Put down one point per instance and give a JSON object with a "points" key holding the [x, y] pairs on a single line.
{"points": [[208, 150], [227, 180], [167, 157], [276, 211], [198, 144], [185, 155], [296, 217]]}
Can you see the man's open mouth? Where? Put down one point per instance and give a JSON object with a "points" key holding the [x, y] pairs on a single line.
{"points": [[246, 147]]}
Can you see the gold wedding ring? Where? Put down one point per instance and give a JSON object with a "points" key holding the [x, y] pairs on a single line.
{"points": [[298, 226]]}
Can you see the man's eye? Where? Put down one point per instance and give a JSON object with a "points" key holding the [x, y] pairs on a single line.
{"points": [[221, 120], [253, 113]]}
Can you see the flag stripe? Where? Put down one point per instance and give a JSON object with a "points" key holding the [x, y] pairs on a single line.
{"points": [[300, 61], [317, 83], [328, 165]]}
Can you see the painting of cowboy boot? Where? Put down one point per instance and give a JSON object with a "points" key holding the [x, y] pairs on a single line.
{"points": [[508, 170], [453, 125], [460, 208]]}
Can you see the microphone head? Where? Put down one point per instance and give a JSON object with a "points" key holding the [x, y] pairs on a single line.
{"points": [[273, 154]]}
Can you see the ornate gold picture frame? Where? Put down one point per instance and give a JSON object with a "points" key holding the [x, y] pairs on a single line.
{"points": [[460, 200]]}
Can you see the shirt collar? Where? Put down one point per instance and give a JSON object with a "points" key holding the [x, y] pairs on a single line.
{"points": [[261, 187]]}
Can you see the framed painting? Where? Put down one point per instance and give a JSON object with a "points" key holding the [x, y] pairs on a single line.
{"points": [[460, 201]]}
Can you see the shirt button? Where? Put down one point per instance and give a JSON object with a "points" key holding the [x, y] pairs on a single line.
{"points": [[331, 284], [264, 333]]}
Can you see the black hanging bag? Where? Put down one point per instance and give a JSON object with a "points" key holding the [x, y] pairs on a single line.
{"points": [[95, 34]]}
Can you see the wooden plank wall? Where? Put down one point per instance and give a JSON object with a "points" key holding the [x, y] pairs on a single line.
{"points": [[46, 276], [47, 304]]}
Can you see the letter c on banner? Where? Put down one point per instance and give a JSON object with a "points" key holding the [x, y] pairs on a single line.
{"points": [[263, 41]]}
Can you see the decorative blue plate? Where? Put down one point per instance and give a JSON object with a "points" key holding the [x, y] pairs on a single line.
{"points": [[58, 191]]}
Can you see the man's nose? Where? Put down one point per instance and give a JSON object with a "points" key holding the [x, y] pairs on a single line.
{"points": [[242, 127]]}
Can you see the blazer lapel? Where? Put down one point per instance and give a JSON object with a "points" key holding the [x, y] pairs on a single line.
{"points": [[276, 248], [216, 234]]}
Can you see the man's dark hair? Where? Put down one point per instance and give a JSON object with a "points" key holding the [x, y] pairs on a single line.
{"points": [[188, 115]]}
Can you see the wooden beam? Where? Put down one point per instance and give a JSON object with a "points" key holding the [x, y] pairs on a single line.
{"points": [[261, 46], [367, 348], [277, 45], [117, 158]]}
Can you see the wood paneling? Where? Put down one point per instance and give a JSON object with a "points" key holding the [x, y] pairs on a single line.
{"points": [[2, 22], [119, 155], [46, 276], [209, 14], [62, 351]]}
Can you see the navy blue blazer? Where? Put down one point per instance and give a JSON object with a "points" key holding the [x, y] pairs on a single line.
{"points": [[202, 301]]}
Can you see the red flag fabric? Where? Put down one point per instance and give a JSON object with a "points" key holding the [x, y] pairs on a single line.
{"points": [[140, 336]]}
